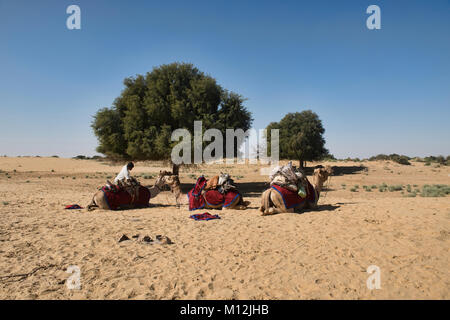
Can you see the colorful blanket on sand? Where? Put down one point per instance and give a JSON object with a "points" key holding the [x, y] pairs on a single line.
{"points": [[120, 198], [73, 206], [204, 216], [291, 199]]}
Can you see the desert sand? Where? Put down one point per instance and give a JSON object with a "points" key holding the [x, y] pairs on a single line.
{"points": [[321, 254]]}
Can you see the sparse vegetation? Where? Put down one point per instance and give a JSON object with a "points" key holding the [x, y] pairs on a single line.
{"points": [[410, 195], [395, 188], [401, 159], [435, 190]]}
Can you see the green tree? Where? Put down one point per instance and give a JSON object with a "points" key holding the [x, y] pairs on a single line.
{"points": [[301, 137], [140, 122]]}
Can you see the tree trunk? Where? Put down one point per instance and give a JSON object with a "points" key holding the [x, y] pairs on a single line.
{"points": [[302, 164], [175, 168]]}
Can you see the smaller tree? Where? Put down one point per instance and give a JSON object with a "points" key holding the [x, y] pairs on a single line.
{"points": [[301, 137]]}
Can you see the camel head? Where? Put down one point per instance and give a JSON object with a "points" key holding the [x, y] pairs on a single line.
{"points": [[172, 180], [161, 178], [321, 175]]}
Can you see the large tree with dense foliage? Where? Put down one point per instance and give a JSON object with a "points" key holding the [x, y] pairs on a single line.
{"points": [[140, 122], [301, 137]]}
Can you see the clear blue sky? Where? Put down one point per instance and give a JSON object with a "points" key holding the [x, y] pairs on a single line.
{"points": [[376, 91]]}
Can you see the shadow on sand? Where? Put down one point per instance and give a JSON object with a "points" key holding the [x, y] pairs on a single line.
{"points": [[339, 170]]}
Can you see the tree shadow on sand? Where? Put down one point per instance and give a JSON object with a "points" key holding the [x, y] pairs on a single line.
{"points": [[324, 207], [339, 170]]}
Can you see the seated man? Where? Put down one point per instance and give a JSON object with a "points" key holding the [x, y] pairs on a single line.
{"points": [[126, 182], [124, 174]]}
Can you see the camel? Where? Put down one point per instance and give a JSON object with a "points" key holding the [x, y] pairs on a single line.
{"points": [[99, 199], [173, 182], [272, 202]]}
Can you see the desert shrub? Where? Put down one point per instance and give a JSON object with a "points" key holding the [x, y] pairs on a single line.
{"points": [[5, 203], [239, 177], [410, 195], [353, 189], [379, 157], [435, 190], [401, 160], [395, 188], [55, 157], [374, 186]]}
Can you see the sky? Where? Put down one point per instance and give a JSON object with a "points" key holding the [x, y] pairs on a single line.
{"points": [[376, 91]]}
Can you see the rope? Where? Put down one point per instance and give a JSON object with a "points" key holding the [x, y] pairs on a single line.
{"points": [[328, 183]]}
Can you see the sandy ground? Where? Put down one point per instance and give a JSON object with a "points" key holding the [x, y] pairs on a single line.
{"points": [[320, 254]]}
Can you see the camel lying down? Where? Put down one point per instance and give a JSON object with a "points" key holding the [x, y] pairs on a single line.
{"points": [[181, 199], [100, 200], [272, 202]]}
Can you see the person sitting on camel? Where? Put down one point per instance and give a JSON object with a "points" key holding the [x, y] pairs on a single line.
{"points": [[125, 181], [124, 174]]}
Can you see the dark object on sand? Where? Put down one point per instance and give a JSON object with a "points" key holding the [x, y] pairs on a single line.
{"points": [[123, 238]]}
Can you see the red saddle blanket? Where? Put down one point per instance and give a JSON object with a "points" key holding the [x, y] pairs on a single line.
{"points": [[121, 198], [291, 199], [197, 200], [215, 198]]}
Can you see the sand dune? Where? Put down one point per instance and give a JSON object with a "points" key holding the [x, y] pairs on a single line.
{"points": [[320, 254]]}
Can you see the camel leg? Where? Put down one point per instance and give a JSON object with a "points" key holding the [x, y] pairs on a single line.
{"points": [[99, 201], [92, 206], [237, 205], [278, 204]]}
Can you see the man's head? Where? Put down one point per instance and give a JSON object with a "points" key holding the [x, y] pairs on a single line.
{"points": [[130, 165]]}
